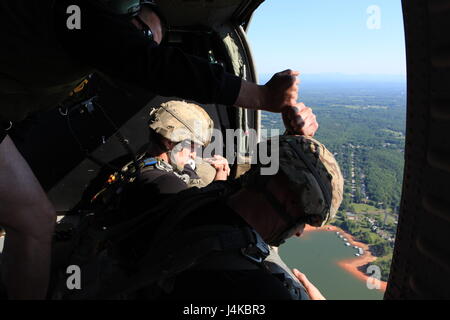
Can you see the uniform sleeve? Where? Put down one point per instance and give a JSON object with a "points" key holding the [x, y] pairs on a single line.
{"points": [[112, 45]]}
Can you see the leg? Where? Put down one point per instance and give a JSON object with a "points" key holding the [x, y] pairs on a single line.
{"points": [[28, 218]]}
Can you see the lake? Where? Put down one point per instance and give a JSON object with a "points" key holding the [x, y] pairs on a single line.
{"points": [[316, 255]]}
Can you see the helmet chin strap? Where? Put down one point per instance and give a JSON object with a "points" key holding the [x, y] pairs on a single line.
{"points": [[173, 161]]}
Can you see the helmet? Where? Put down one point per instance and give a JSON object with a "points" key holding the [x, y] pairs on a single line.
{"points": [[155, 8], [130, 7], [178, 121], [314, 176], [124, 7]]}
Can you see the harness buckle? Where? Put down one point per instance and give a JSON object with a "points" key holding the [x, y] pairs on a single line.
{"points": [[257, 251]]}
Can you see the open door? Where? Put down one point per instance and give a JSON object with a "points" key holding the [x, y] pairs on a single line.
{"points": [[421, 263]]}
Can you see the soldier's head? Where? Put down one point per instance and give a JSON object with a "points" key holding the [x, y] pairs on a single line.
{"points": [[150, 21], [308, 189], [145, 15], [177, 130]]}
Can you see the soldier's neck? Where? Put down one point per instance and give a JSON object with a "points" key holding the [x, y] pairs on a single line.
{"points": [[251, 208]]}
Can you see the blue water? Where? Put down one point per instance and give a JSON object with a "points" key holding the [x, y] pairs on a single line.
{"points": [[316, 255]]}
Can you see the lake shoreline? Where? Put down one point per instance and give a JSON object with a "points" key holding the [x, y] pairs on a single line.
{"points": [[351, 265]]}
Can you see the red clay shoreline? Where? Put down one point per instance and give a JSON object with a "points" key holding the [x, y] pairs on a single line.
{"points": [[351, 265]]}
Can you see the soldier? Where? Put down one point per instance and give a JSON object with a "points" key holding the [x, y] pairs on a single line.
{"points": [[45, 60], [211, 243], [177, 131], [168, 164]]}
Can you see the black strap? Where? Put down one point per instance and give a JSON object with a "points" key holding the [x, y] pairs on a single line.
{"points": [[279, 207]]}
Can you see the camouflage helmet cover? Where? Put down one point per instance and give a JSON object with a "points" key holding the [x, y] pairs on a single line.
{"points": [[314, 175], [178, 121], [321, 191]]}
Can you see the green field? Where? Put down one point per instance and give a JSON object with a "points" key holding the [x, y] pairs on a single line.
{"points": [[361, 207]]}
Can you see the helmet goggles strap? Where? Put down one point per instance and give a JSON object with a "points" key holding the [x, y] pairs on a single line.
{"points": [[291, 223]]}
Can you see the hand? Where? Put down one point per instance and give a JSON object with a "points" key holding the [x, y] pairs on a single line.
{"points": [[311, 290], [300, 120], [281, 91], [222, 168]]}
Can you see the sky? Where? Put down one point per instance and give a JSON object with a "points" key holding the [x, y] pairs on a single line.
{"points": [[329, 36]]}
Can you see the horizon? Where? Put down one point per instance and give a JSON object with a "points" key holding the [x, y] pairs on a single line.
{"points": [[341, 78], [347, 75]]}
